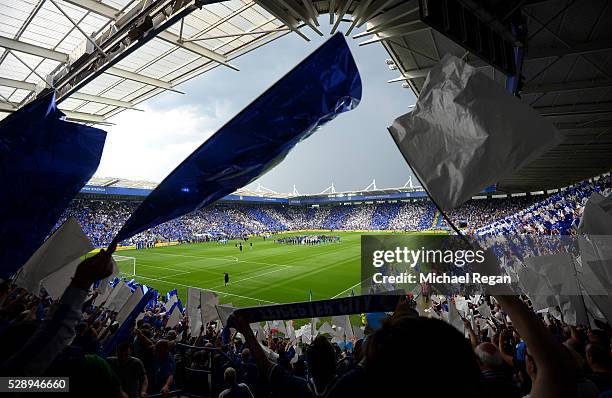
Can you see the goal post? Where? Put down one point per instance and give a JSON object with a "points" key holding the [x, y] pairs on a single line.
{"points": [[126, 265]]}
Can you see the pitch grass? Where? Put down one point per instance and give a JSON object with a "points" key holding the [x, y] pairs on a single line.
{"points": [[266, 274]]}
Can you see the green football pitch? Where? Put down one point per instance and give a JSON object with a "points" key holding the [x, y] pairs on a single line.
{"points": [[267, 273]]}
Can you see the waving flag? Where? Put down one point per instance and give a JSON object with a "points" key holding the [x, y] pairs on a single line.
{"points": [[44, 163], [466, 133], [61, 251], [123, 333], [317, 90]]}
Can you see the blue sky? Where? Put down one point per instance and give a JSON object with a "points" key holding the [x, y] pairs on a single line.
{"points": [[350, 151]]}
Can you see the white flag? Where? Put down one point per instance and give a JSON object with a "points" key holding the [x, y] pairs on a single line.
{"points": [[343, 326], [65, 247], [193, 310], [326, 329], [258, 331], [467, 132], [454, 318], [307, 333], [120, 294], [597, 216], [462, 305], [559, 271], [129, 305], [290, 331], [104, 292], [484, 310], [224, 311], [174, 318], [57, 282], [280, 326], [208, 301]]}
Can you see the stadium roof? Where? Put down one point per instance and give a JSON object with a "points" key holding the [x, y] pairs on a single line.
{"points": [[123, 66], [139, 48]]}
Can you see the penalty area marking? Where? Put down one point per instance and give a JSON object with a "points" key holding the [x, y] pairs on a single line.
{"points": [[235, 259], [252, 277]]}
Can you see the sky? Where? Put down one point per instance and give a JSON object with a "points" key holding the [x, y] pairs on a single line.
{"points": [[349, 152]]}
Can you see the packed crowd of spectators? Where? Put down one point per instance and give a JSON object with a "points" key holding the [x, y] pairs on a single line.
{"points": [[555, 214], [494, 346], [558, 214]]}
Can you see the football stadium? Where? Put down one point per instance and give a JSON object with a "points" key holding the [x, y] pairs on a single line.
{"points": [[150, 246]]}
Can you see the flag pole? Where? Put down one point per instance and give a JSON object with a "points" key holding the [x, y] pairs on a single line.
{"points": [[452, 225], [311, 321]]}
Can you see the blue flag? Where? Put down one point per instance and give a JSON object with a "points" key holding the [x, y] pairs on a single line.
{"points": [[44, 163], [173, 292], [123, 333], [317, 90]]}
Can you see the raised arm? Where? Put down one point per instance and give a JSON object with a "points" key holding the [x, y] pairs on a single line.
{"points": [[242, 325], [57, 330], [555, 377]]}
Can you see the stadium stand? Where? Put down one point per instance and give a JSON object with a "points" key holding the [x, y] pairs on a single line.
{"points": [[555, 214]]}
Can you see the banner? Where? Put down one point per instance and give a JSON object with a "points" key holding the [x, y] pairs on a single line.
{"points": [[322, 308], [324, 85], [44, 163]]}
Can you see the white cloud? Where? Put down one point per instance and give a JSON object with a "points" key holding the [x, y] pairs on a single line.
{"points": [[149, 145]]}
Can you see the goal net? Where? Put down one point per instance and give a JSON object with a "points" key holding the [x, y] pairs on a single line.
{"points": [[126, 265]]}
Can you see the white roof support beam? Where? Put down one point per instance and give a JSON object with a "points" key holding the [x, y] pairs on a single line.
{"points": [[96, 7], [126, 74], [32, 49], [249, 33], [201, 51], [6, 82], [373, 9], [85, 117], [289, 20], [312, 11], [358, 14], [341, 14], [408, 29], [394, 17], [7, 106], [110, 12], [103, 100], [411, 74], [76, 116], [300, 13]]}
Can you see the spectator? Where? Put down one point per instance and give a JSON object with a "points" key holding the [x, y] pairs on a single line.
{"points": [[234, 389], [600, 363], [162, 379], [130, 371], [496, 381]]}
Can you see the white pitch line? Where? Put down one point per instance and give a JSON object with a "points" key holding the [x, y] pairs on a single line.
{"points": [[252, 277], [203, 288], [236, 259], [346, 290], [204, 257], [178, 274]]}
